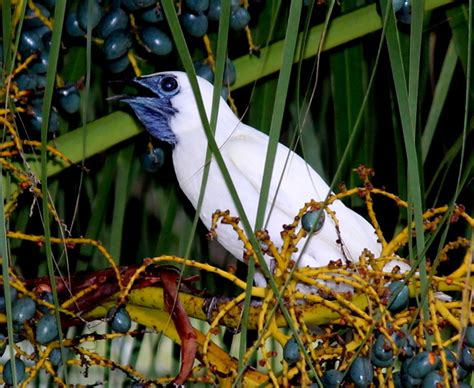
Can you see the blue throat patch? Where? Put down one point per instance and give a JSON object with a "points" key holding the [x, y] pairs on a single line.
{"points": [[155, 114]]}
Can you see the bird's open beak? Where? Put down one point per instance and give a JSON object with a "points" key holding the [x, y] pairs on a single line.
{"points": [[138, 87]]}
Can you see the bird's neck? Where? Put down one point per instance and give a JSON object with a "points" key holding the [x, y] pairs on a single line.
{"points": [[191, 130], [189, 154]]}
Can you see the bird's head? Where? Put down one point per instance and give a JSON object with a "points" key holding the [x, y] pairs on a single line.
{"points": [[165, 104]]}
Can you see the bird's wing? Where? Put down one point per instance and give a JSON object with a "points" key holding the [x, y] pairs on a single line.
{"points": [[292, 186]]}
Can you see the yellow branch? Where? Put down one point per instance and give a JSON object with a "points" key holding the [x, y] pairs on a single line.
{"points": [[160, 321]]}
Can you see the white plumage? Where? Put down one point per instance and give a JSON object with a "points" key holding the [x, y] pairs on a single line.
{"points": [[244, 150]]}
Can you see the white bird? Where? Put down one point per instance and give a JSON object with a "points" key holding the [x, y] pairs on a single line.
{"points": [[169, 112]]}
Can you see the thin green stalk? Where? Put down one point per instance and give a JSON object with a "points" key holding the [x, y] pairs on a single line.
{"points": [[122, 185], [59, 13], [416, 34], [409, 134], [466, 118], [6, 262], [275, 128], [279, 108], [8, 63], [439, 98], [221, 55], [468, 96], [264, 114], [294, 144]]}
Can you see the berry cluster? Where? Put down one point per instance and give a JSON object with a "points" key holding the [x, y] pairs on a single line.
{"points": [[27, 314], [33, 49], [418, 367], [140, 25], [35, 322], [128, 34]]}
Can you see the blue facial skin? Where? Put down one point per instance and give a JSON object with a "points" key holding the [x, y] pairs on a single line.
{"points": [[155, 111]]}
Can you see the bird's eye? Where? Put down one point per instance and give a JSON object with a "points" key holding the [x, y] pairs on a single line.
{"points": [[169, 86]]}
